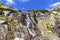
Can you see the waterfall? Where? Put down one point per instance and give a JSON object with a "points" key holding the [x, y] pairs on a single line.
{"points": [[32, 33], [28, 20]]}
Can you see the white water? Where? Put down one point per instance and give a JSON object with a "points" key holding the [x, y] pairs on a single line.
{"points": [[28, 25], [28, 21]]}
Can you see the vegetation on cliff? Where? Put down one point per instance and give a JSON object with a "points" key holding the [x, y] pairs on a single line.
{"points": [[31, 25]]}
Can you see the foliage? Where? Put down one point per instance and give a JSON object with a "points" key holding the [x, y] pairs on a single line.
{"points": [[1, 12]]}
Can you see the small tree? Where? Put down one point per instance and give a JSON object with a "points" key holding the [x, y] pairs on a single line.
{"points": [[1, 12]]}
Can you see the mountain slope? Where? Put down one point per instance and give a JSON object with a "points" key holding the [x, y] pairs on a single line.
{"points": [[30, 25]]}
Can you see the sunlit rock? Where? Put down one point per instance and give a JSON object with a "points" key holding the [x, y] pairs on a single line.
{"points": [[18, 38], [30, 25], [1, 21]]}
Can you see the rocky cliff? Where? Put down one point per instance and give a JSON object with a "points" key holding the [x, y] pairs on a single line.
{"points": [[31, 25]]}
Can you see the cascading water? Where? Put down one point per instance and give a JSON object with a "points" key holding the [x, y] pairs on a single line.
{"points": [[28, 21], [32, 33]]}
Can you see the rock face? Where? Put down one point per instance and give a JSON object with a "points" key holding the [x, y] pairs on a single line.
{"points": [[31, 25]]}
